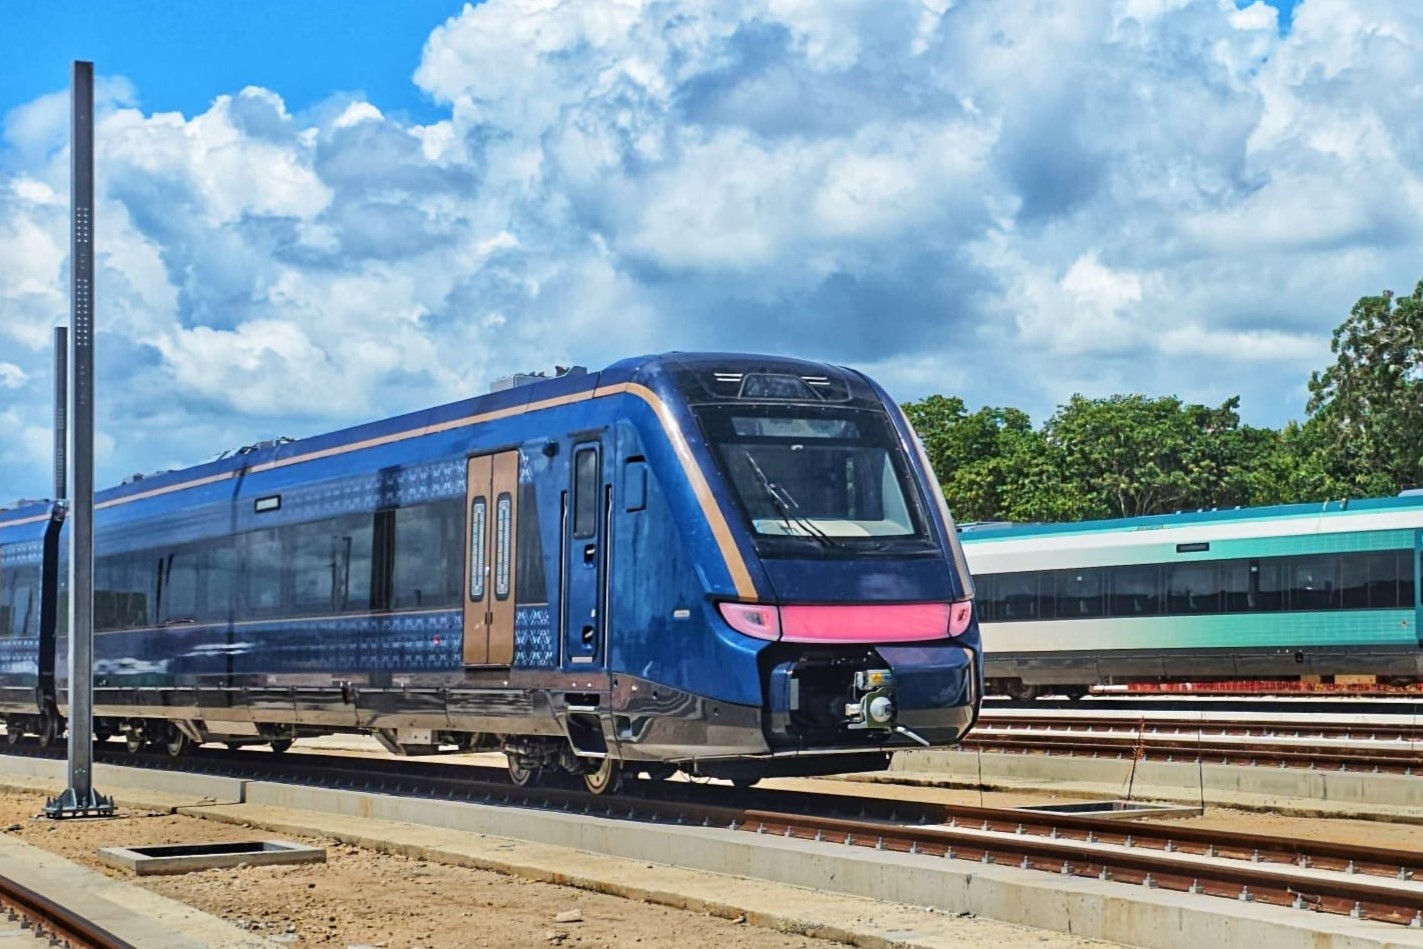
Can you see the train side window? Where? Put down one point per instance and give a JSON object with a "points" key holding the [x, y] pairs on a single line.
{"points": [[429, 555], [355, 542], [1234, 577], [20, 599], [1356, 585], [221, 573], [1018, 596], [530, 582], [1267, 587], [106, 613], [585, 493], [1314, 583], [313, 568], [1191, 588], [985, 588], [1079, 593], [180, 587], [1383, 580], [1047, 594], [1135, 591], [1406, 594], [262, 572]]}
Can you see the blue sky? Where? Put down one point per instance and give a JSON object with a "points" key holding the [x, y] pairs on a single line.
{"points": [[313, 214], [180, 56]]}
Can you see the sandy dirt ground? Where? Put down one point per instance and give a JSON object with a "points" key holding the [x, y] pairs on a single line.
{"points": [[362, 899]]}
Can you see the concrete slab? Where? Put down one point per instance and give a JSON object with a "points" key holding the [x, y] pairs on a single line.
{"points": [[189, 858]]}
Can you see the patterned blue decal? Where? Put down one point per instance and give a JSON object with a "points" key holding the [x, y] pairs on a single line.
{"points": [[533, 637], [19, 657], [396, 642], [397, 487]]}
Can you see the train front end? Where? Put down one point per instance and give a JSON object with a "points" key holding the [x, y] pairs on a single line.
{"points": [[856, 609]]}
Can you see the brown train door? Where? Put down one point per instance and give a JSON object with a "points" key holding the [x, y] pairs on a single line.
{"points": [[490, 501]]}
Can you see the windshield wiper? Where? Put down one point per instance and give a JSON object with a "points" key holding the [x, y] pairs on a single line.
{"points": [[784, 504]]}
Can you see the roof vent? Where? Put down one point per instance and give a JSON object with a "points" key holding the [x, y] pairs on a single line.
{"points": [[529, 378]]}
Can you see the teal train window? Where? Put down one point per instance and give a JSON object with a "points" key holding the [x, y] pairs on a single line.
{"points": [[1368, 580]]}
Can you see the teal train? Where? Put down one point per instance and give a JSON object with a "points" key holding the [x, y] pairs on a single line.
{"points": [[1274, 593]]}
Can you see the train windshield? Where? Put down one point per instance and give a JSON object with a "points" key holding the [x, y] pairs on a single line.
{"points": [[830, 477]]}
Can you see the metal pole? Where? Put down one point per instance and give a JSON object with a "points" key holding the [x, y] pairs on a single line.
{"points": [[61, 413], [80, 799]]}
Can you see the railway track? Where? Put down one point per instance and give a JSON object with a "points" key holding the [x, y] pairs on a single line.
{"points": [[1368, 746], [44, 919], [1371, 882]]}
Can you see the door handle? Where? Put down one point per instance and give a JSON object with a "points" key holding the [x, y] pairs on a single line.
{"points": [[589, 552]]}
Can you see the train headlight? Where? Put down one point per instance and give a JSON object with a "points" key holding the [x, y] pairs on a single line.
{"points": [[753, 619], [879, 710]]}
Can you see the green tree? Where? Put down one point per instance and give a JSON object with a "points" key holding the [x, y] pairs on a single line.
{"points": [[1367, 408], [991, 464], [1133, 455]]}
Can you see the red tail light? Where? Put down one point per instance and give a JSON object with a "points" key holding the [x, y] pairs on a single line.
{"points": [[753, 619], [960, 613]]}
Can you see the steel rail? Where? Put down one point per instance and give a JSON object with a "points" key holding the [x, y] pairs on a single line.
{"points": [[63, 925], [1209, 727], [1257, 751]]}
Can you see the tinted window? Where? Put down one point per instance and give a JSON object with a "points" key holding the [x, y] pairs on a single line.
{"points": [[530, 585], [585, 493], [178, 599], [1136, 591], [1314, 583], [19, 601], [221, 576], [1235, 595], [804, 472], [1079, 593], [313, 565], [1018, 596], [429, 555], [1268, 583], [262, 572], [1191, 588]]}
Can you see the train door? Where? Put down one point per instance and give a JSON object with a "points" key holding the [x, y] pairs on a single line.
{"points": [[491, 497], [585, 568]]}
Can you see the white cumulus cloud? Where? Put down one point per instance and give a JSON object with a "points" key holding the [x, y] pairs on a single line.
{"points": [[1008, 203]]}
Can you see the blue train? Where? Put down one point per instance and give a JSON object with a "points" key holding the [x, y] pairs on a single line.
{"points": [[737, 566]]}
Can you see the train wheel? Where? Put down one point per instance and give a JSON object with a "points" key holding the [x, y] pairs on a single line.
{"points": [[233, 745], [657, 771], [1020, 691], [48, 730], [177, 743], [607, 778], [745, 782], [14, 733], [280, 745], [133, 742], [521, 774]]}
